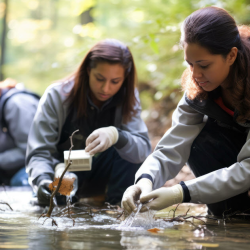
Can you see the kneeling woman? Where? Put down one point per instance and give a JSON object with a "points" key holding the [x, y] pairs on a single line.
{"points": [[101, 101], [210, 129]]}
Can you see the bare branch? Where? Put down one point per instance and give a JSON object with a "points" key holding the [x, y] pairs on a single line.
{"points": [[7, 204], [52, 205]]}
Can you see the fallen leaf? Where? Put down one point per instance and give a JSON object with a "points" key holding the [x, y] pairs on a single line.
{"points": [[154, 230], [66, 185]]}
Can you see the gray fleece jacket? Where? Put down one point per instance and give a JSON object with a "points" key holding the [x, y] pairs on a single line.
{"points": [[17, 113], [173, 151], [47, 127]]}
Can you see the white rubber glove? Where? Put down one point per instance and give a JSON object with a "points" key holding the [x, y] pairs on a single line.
{"points": [[101, 139], [162, 198], [133, 193]]}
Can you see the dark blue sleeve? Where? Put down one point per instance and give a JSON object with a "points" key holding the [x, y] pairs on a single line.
{"points": [[145, 176], [122, 139], [186, 193]]}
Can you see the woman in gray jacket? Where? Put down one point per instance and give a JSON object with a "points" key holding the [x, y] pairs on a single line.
{"points": [[101, 101], [210, 128]]}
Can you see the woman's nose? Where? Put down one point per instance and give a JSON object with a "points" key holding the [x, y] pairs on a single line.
{"points": [[196, 72], [105, 86]]}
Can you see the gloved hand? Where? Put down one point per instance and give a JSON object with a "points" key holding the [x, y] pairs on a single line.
{"points": [[101, 139], [58, 172], [133, 193], [162, 198], [43, 193]]}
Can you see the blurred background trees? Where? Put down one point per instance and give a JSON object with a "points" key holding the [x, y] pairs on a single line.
{"points": [[44, 40]]}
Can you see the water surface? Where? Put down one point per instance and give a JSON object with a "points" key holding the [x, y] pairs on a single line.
{"points": [[21, 229]]}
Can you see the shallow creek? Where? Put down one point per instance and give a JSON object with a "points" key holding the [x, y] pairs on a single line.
{"points": [[21, 229]]}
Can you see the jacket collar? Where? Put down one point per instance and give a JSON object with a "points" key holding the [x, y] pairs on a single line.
{"points": [[210, 108], [115, 100], [205, 103]]}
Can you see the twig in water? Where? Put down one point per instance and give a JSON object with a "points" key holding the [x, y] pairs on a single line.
{"points": [[185, 217], [237, 213], [174, 210], [52, 205], [69, 211], [7, 204]]}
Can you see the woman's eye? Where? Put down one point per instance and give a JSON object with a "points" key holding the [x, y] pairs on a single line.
{"points": [[115, 82], [98, 79], [204, 67]]}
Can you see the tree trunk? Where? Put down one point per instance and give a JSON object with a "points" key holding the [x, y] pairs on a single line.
{"points": [[54, 13], [3, 40]]}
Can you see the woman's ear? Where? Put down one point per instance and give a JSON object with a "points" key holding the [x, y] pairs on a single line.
{"points": [[232, 55]]}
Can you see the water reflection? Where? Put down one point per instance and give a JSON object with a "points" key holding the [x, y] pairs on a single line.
{"points": [[21, 229]]}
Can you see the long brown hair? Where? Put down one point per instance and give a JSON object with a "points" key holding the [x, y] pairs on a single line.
{"points": [[216, 30], [111, 51]]}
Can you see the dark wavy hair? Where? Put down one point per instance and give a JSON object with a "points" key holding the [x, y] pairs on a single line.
{"points": [[111, 51], [215, 29]]}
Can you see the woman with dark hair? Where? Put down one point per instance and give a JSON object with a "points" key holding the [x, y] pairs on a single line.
{"points": [[210, 128], [99, 99]]}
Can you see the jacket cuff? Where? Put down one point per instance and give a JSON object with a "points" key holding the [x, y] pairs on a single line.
{"points": [[42, 177], [186, 194], [145, 176], [122, 139]]}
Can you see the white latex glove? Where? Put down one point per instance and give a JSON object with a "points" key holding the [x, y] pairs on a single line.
{"points": [[133, 193], [101, 139], [59, 170], [162, 197]]}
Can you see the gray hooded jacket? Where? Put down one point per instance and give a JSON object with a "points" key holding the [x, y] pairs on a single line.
{"points": [[16, 115], [173, 151], [47, 127]]}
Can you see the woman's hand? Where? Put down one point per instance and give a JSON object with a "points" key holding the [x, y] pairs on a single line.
{"points": [[101, 139], [7, 83], [162, 198], [133, 193], [43, 193]]}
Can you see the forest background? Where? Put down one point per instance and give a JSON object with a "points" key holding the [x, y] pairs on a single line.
{"points": [[45, 40]]}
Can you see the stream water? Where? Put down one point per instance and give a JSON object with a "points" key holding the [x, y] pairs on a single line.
{"points": [[21, 229]]}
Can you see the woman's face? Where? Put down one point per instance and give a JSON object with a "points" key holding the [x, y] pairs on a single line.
{"points": [[105, 80], [209, 71]]}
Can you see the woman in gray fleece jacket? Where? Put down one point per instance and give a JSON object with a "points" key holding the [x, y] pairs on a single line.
{"points": [[101, 101], [210, 128]]}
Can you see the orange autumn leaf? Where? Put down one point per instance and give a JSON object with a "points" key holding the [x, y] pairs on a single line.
{"points": [[66, 185], [154, 230]]}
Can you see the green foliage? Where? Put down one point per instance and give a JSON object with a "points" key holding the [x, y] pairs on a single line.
{"points": [[46, 39]]}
